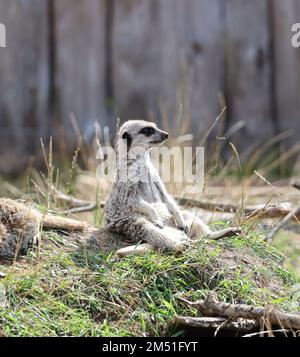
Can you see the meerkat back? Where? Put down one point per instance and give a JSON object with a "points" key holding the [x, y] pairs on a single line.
{"points": [[19, 228]]}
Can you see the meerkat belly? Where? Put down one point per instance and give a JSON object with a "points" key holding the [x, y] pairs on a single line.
{"points": [[164, 213], [149, 192]]}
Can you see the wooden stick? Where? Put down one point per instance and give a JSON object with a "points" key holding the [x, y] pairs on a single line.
{"points": [[211, 307], [215, 323], [55, 222], [265, 332], [76, 205], [293, 214], [72, 201], [209, 206], [88, 208]]}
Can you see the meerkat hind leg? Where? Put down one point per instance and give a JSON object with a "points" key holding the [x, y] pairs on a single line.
{"points": [[138, 249], [169, 238], [199, 229], [164, 238], [223, 233]]}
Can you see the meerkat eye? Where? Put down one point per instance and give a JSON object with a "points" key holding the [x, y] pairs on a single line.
{"points": [[147, 131]]}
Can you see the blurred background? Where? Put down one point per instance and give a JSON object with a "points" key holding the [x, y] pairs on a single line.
{"points": [[178, 63]]}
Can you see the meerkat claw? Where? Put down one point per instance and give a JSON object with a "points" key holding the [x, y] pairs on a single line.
{"points": [[185, 229], [159, 224], [235, 231]]}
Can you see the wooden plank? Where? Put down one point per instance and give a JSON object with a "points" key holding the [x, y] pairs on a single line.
{"points": [[23, 81], [287, 67], [80, 63], [249, 71], [168, 52]]}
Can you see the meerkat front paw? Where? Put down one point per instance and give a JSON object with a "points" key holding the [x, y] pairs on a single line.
{"points": [[185, 229], [158, 223], [181, 244], [181, 223], [36, 239], [233, 231], [183, 238], [227, 232]]}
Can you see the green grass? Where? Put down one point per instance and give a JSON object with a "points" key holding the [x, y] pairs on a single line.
{"points": [[64, 291]]}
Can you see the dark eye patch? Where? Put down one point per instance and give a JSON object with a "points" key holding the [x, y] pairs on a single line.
{"points": [[127, 136], [147, 131]]}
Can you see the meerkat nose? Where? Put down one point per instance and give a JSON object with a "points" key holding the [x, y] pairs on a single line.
{"points": [[165, 135]]}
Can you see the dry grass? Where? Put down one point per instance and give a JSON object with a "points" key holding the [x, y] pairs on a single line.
{"points": [[65, 290]]}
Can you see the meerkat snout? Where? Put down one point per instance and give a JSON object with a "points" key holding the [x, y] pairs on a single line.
{"points": [[163, 136]]}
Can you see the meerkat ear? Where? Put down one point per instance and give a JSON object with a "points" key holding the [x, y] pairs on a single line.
{"points": [[127, 137]]}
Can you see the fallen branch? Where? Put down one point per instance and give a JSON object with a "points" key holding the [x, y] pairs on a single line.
{"points": [[88, 208], [209, 206], [55, 222], [76, 205], [257, 211], [271, 332], [211, 307], [71, 200], [216, 323], [291, 215]]}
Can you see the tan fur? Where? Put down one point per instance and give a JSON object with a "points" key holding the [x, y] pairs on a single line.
{"points": [[21, 224], [2, 232], [20, 227]]}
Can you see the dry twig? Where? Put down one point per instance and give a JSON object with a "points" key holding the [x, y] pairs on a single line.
{"points": [[211, 307], [295, 213]]}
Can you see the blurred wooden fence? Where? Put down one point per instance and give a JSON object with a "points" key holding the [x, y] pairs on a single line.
{"points": [[100, 59]]}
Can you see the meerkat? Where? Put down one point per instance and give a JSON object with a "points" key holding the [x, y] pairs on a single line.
{"points": [[139, 206], [21, 225]]}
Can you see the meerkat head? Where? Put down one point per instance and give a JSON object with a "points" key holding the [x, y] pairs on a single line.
{"points": [[142, 134]]}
